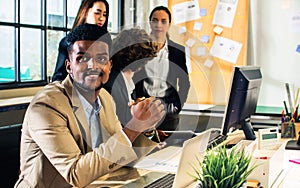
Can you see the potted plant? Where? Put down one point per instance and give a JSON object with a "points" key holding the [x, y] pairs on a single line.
{"points": [[223, 168]]}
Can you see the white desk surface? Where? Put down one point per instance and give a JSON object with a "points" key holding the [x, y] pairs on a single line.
{"points": [[15, 101], [288, 178], [188, 106]]}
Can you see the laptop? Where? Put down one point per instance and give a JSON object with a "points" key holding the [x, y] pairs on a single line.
{"points": [[192, 152]]}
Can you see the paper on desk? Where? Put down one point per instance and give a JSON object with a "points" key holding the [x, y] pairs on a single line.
{"points": [[165, 160], [291, 178]]}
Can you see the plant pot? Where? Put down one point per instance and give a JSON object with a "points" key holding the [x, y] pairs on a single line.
{"points": [[200, 185]]}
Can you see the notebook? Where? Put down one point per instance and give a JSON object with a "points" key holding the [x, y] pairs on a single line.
{"points": [[193, 150]]}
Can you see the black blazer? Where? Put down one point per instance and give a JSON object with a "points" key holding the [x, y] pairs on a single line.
{"points": [[60, 72], [118, 90], [177, 78]]}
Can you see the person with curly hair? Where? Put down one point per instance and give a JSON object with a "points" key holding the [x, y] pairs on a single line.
{"points": [[130, 51], [71, 134]]}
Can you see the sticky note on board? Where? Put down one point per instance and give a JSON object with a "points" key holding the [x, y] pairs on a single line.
{"points": [[218, 30], [203, 12], [298, 48], [205, 38], [182, 30], [197, 26], [208, 63], [201, 51], [190, 42]]}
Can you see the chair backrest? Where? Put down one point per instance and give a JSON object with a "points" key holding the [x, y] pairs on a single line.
{"points": [[10, 137]]}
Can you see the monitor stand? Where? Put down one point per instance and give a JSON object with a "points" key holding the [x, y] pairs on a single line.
{"points": [[248, 129], [293, 144]]}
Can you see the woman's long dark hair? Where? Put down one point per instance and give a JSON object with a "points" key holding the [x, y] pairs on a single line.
{"points": [[84, 8]]}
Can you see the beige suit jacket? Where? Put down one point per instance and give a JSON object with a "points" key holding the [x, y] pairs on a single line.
{"points": [[53, 151]]}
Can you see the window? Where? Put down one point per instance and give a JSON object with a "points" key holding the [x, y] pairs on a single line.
{"points": [[31, 31], [274, 48]]}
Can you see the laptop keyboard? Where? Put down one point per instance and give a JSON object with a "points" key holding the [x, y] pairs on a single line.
{"points": [[215, 138], [166, 182]]}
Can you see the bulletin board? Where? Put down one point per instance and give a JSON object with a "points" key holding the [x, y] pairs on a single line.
{"points": [[210, 74]]}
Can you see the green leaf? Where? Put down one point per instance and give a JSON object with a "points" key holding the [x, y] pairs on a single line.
{"points": [[224, 168]]}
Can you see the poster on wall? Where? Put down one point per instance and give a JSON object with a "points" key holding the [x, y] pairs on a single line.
{"points": [[294, 22], [187, 11], [225, 12], [226, 49]]}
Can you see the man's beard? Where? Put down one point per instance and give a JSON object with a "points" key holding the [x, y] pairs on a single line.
{"points": [[95, 72], [87, 89], [81, 86]]}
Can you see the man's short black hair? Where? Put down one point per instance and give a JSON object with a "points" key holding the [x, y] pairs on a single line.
{"points": [[90, 32]]}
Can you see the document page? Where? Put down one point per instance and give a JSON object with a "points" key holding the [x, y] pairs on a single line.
{"points": [[165, 160]]}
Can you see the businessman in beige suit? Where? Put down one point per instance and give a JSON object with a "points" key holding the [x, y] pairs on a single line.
{"points": [[71, 134]]}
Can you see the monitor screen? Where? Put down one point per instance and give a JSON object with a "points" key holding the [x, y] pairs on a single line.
{"points": [[242, 101]]}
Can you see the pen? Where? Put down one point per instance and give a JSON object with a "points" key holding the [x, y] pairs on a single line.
{"points": [[265, 157], [286, 109], [157, 135], [135, 102], [296, 112], [282, 116], [297, 97], [288, 90]]}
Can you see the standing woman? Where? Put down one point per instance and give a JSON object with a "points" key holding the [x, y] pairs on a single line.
{"points": [[166, 75], [90, 11]]}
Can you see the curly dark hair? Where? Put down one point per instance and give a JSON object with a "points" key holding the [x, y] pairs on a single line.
{"points": [[88, 32], [131, 49]]}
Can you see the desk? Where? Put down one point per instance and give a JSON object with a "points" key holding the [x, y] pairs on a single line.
{"points": [[119, 178], [287, 179], [200, 117]]}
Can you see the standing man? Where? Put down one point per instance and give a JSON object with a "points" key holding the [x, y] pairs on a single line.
{"points": [[71, 134]]}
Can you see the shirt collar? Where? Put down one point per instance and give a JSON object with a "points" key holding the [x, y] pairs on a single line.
{"points": [[129, 84], [90, 107], [165, 48]]}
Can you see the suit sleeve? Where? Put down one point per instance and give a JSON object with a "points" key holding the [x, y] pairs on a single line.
{"points": [[182, 74], [184, 82]]}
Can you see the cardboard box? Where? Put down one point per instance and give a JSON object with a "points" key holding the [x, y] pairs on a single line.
{"points": [[270, 165]]}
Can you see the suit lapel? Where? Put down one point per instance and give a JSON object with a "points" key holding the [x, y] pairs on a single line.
{"points": [[123, 89], [108, 119], [104, 122], [85, 139]]}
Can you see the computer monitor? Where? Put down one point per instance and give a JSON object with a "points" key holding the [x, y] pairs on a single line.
{"points": [[242, 101]]}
